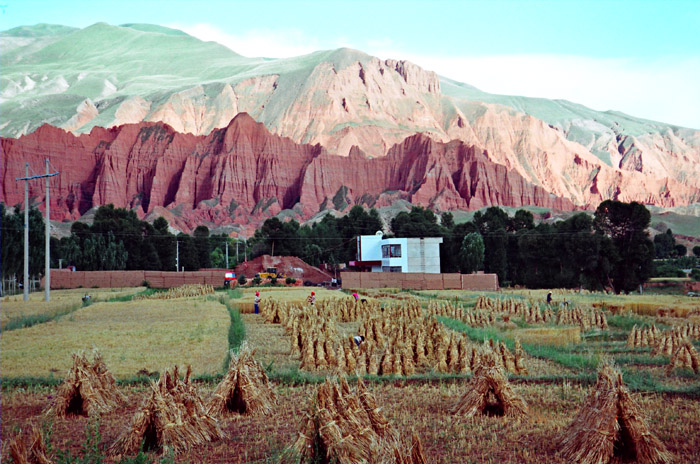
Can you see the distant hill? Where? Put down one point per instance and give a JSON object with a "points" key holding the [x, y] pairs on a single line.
{"points": [[107, 76]]}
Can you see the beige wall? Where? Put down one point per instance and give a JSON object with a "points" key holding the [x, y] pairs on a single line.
{"points": [[419, 281], [117, 279]]}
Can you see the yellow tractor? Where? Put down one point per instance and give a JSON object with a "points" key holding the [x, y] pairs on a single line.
{"points": [[270, 273]]}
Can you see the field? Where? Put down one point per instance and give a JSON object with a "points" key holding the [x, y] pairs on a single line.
{"points": [[561, 361], [132, 336]]}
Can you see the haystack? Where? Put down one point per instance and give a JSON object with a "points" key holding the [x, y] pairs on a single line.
{"points": [[89, 388], [684, 356], [173, 417], [245, 389], [610, 428], [348, 427], [489, 393], [36, 454]]}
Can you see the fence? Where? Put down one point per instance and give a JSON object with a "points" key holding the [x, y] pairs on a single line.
{"points": [[117, 279], [420, 281]]}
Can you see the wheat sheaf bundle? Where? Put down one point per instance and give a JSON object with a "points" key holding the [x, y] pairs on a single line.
{"points": [[684, 356], [172, 417], [346, 427], [89, 388], [36, 454], [489, 393], [609, 427], [183, 291], [245, 389]]}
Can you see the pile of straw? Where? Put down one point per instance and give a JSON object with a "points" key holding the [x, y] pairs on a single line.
{"points": [[489, 393], [610, 428], [245, 389], [173, 417], [585, 318], [36, 454], [648, 336], [685, 356], [348, 427], [184, 291], [88, 389]]}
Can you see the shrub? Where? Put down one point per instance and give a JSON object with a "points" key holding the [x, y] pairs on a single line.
{"points": [[257, 280], [273, 281], [695, 274], [242, 280], [290, 280]]}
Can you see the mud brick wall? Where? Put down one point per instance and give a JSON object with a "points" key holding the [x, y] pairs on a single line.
{"points": [[419, 281], [62, 278]]}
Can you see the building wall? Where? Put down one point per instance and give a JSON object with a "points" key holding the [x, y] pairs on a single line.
{"points": [[420, 255], [423, 255], [118, 279]]}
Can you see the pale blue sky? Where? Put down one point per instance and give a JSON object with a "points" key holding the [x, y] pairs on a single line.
{"points": [[640, 57]]}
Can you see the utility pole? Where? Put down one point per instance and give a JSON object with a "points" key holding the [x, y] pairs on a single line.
{"points": [[26, 180], [47, 244], [236, 251], [177, 256], [226, 253]]}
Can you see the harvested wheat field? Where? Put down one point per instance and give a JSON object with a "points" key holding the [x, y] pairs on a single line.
{"points": [[132, 336], [482, 378], [62, 301], [423, 408]]}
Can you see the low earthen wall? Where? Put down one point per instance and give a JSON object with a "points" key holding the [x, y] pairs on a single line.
{"points": [[419, 281], [63, 278]]}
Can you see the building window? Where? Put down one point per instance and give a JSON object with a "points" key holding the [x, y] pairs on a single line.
{"points": [[391, 251], [391, 268]]}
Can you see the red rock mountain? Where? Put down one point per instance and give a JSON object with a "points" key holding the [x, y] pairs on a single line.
{"points": [[244, 174]]}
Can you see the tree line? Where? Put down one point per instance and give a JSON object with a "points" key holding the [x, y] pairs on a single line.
{"points": [[610, 249]]}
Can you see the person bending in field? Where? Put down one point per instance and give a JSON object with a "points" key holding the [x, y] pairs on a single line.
{"points": [[257, 302], [549, 298], [312, 298], [356, 296], [358, 339]]}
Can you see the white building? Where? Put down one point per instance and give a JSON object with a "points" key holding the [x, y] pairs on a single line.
{"points": [[379, 254]]}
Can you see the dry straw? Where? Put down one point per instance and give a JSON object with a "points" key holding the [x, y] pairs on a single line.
{"points": [[610, 428], [184, 291], [348, 427], [173, 417], [36, 454], [489, 393], [245, 389], [88, 389], [685, 356]]}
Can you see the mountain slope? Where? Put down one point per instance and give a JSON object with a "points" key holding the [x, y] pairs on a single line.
{"points": [[243, 174], [105, 76]]}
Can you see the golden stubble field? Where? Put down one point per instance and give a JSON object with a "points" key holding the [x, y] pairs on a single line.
{"points": [[154, 335], [146, 335], [61, 301]]}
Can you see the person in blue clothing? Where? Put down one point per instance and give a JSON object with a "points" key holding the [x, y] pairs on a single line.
{"points": [[257, 302], [549, 298]]}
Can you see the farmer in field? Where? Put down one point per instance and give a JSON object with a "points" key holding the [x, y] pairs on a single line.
{"points": [[358, 339], [356, 296], [312, 298], [549, 298], [257, 302]]}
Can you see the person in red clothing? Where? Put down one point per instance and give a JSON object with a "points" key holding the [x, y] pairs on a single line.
{"points": [[257, 302], [312, 298]]}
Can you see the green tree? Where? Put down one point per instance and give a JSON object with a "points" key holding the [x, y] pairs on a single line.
{"points": [[680, 250], [189, 258], [696, 250], [420, 222], [664, 244], [164, 243], [203, 246], [626, 225], [471, 254]]}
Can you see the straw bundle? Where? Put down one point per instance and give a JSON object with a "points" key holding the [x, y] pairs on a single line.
{"points": [[89, 388], [609, 427], [184, 291], [36, 454], [684, 356], [245, 389], [348, 427], [490, 393], [173, 418]]}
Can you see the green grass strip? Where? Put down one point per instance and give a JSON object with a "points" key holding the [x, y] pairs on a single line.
{"points": [[236, 330], [564, 355], [34, 319]]}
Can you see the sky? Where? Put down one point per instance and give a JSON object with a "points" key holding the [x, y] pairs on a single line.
{"points": [[639, 57]]}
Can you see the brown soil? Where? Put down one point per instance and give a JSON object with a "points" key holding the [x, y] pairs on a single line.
{"points": [[290, 266]]}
